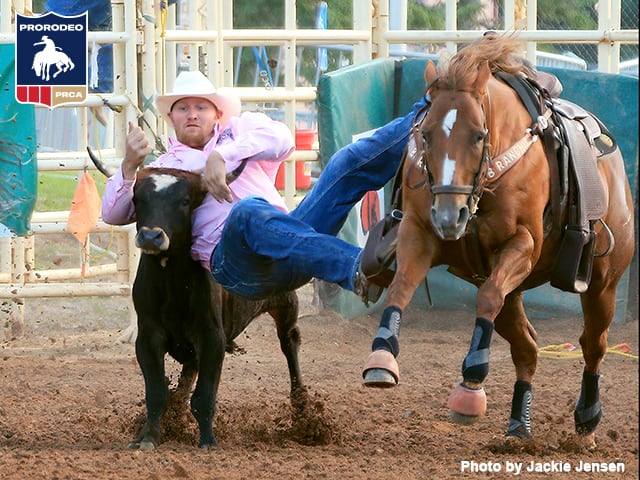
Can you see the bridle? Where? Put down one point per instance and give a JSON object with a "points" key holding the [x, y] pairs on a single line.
{"points": [[417, 154], [491, 168]]}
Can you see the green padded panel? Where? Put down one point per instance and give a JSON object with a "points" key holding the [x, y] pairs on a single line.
{"points": [[353, 100]]}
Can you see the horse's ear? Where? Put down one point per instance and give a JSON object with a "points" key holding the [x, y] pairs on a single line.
{"points": [[484, 72], [430, 72]]}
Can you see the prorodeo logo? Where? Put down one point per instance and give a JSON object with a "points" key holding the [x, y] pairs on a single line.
{"points": [[51, 59]]}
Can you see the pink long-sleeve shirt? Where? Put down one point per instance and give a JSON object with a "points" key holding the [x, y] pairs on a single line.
{"points": [[254, 136]]}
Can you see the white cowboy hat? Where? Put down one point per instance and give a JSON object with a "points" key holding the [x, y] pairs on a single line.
{"points": [[195, 84]]}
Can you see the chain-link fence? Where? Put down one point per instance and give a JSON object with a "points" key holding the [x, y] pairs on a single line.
{"points": [[583, 15]]}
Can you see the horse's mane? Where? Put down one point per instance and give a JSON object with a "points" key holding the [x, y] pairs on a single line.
{"points": [[499, 51]]}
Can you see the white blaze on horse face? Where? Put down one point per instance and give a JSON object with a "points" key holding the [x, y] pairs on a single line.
{"points": [[449, 165], [163, 181]]}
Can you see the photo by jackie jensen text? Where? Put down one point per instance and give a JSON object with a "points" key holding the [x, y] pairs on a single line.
{"points": [[550, 467]]}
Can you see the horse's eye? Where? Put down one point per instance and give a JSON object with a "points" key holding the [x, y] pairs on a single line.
{"points": [[479, 137]]}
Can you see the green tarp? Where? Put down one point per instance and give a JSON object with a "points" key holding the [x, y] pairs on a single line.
{"points": [[18, 161]]}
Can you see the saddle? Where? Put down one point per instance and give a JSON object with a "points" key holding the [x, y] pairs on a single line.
{"points": [[574, 141]]}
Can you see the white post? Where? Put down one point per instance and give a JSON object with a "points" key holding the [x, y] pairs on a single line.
{"points": [[5, 16], [362, 20], [380, 25], [450, 21], [509, 14], [148, 66], [291, 49], [608, 21]]}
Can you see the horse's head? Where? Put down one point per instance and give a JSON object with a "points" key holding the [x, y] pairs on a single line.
{"points": [[452, 140]]}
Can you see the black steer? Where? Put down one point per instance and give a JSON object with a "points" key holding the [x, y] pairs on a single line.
{"points": [[182, 311]]}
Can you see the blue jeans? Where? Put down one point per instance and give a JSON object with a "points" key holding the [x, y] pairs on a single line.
{"points": [[264, 251]]}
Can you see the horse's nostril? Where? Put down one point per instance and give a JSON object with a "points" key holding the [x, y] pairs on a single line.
{"points": [[463, 218]]}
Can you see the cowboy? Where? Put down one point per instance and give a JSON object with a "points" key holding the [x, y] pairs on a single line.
{"points": [[242, 232]]}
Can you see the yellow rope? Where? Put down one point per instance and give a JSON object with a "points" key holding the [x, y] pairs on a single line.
{"points": [[568, 350]]}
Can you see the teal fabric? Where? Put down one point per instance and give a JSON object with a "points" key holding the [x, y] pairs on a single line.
{"points": [[18, 161]]}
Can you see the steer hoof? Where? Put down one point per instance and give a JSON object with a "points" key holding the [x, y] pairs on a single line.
{"points": [[141, 445], [209, 447], [381, 370], [467, 404]]}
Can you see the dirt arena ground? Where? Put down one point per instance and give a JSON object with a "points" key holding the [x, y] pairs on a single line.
{"points": [[72, 397]]}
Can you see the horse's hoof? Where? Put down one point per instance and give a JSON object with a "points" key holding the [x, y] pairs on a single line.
{"points": [[379, 378], [588, 441], [381, 370], [467, 405], [461, 419]]}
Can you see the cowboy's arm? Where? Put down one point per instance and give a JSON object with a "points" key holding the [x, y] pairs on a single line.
{"points": [[214, 177], [117, 202], [257, 137]]}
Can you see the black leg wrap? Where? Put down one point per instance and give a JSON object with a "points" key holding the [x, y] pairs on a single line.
{"points": [[387, 336], [475, 366], [588, 411], [520, 420]]}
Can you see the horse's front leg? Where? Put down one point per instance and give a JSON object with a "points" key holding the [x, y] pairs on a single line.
{"points": [[414, 258], [511, 266]]}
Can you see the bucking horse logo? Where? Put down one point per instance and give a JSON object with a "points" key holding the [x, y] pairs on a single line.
{"points": [[50, 55], [51, 59]]}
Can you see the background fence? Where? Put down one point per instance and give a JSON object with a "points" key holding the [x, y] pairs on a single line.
{"points": [[276, 70]]}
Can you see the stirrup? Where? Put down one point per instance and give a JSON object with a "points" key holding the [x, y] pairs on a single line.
{"points": [[572, 272]]}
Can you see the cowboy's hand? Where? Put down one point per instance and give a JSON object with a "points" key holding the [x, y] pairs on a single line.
{"points": [[214, 177], [137, 149]]}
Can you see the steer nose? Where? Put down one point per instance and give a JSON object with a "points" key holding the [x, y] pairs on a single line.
{"points": [[152, 240]]}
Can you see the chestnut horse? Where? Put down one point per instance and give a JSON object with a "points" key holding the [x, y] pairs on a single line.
{"points": [[497, 234]]}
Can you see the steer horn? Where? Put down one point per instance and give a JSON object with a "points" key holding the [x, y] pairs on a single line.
{"points": [[102, 168], [231, 176]]}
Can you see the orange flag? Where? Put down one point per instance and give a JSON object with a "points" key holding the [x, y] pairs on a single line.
{"points": [[85, 209]]}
